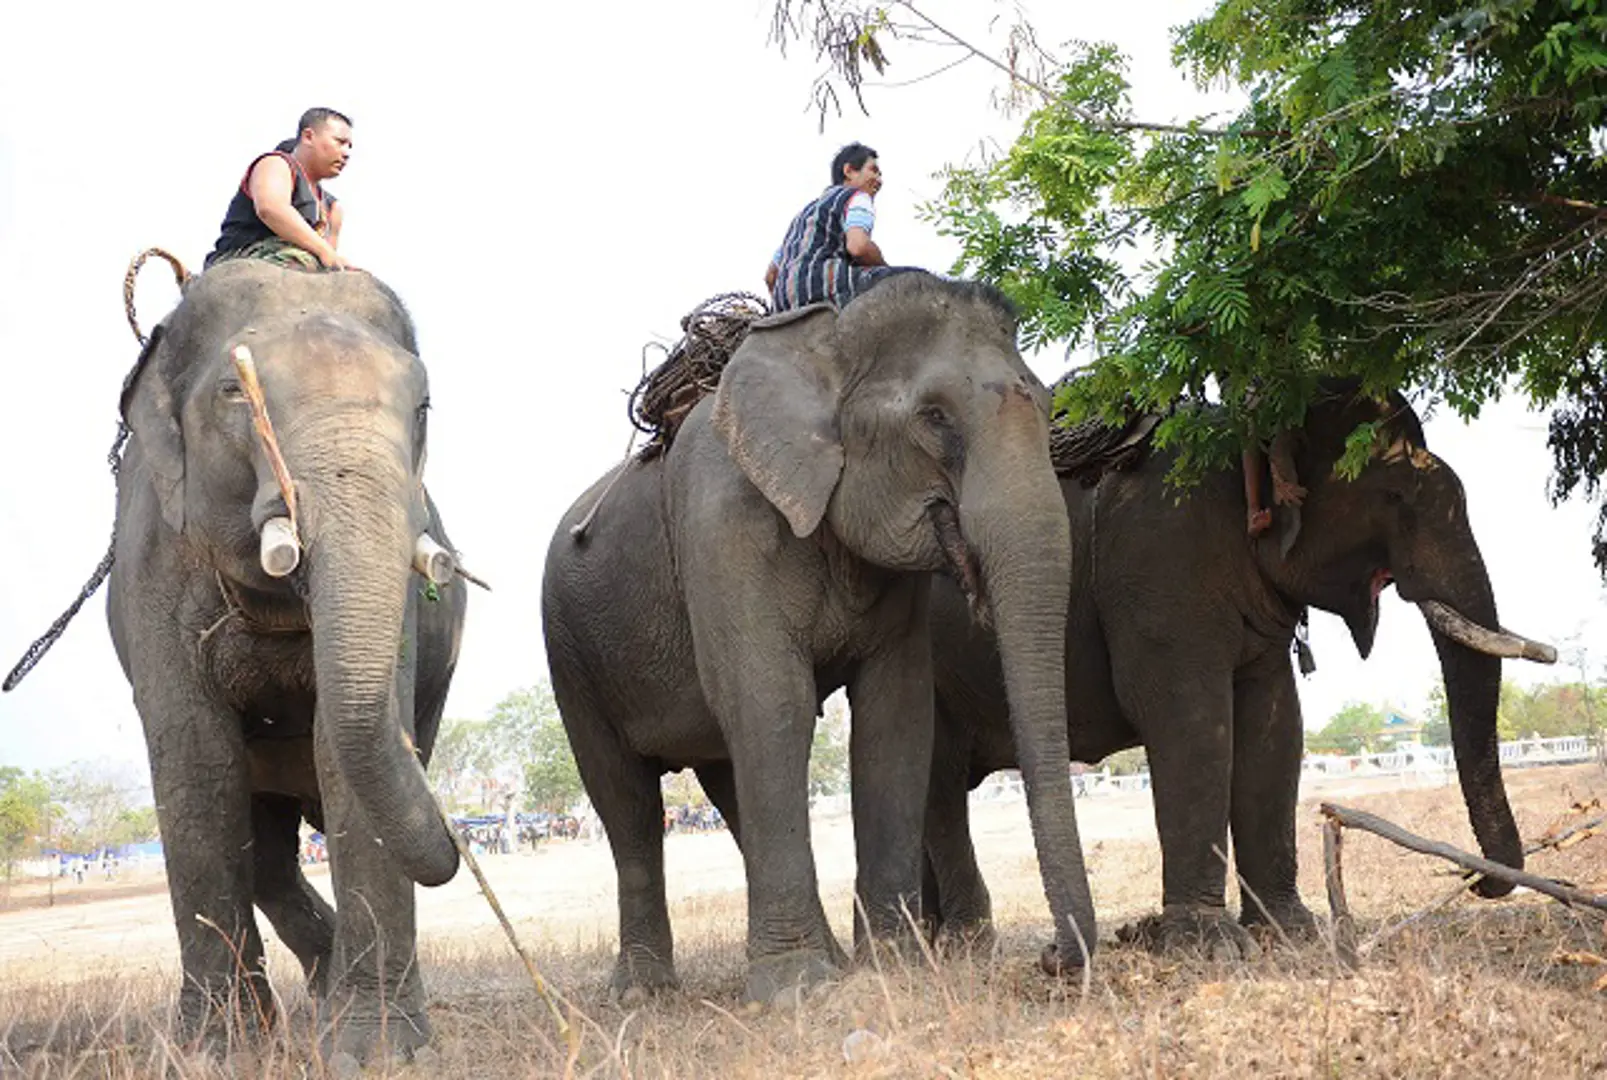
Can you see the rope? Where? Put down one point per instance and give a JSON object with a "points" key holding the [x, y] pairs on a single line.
{"points": [[181, 276], [114, 458], [691, 370]]}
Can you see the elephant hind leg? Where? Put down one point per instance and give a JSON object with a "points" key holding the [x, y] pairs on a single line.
{"points": [[1267, 742], [301, 917], [624, 790]]}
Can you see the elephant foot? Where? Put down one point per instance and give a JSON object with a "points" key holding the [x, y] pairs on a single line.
{"points": [[1210, 931], [640, 974], [784, 979], [215, 1020], [354, 1039], [957, 939], [1291, 916]]}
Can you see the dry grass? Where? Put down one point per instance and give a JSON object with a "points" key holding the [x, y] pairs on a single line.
{"points": [[1477, 984]]}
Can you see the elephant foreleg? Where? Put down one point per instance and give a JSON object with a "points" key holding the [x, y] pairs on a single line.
{"points": [[1267, 744], [374, 993], [955, 900], [301, 917], [203, 807], [890, 759], [766, 709], [1184, 711]]}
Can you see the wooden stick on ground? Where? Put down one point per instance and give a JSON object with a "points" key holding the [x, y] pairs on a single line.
{"points": [[1333, 839], [247, 367], [565, 1029], [1357, 819]]}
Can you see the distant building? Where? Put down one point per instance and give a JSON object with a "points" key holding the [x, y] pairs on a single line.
{"points": [[1399, 727]]}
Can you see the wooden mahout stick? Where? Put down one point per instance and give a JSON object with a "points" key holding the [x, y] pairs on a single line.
{"points": [[247, 367], [1356, 819]]}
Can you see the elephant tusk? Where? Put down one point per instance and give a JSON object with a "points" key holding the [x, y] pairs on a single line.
{"points": [[1459, 628], [433, 561], [247, 367], [281, 551]]}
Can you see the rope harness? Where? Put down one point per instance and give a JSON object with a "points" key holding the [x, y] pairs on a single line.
{"points": [[114, 458]]}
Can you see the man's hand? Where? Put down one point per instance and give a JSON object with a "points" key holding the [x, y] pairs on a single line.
{"points": [[334, 260], [271, 186], [770, 275], [863, 250]]}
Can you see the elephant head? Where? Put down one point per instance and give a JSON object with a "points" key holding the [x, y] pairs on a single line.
{"points": [[347, 398], [908, 430], [1404, 520]]}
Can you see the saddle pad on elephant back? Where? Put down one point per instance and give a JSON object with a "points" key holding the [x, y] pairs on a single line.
{"points": [[1089, 449]]}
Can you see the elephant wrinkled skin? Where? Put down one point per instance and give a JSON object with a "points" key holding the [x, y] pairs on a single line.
{"points": [[269, 698], [780, 549], [1178, 639]]}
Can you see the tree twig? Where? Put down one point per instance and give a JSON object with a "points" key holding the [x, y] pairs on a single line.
{"points": [[1357, 819]]}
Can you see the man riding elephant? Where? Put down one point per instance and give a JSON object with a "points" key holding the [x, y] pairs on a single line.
{"points": [[828, 255], [281, 212]]}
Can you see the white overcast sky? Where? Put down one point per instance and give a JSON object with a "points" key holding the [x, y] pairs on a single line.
{"points": [[549, 187]]}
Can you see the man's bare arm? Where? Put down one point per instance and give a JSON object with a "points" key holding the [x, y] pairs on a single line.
{"points": [[770, 275], [271, 187], [863, 250], [336, 216]]}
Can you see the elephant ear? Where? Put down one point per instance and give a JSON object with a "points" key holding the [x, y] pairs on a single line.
{"points": [[151, 410], [776, 409]]}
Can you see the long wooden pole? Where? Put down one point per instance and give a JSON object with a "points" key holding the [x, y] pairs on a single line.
{"points": [[247, 367]]}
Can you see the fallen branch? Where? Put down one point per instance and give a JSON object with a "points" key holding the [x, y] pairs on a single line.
{"points": [[1333, 839], [1565, 839], [1356, 819]]}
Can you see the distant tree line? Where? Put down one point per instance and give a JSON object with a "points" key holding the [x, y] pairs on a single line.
{"points": [[81, 809], [522, 750], [1552, 711]]}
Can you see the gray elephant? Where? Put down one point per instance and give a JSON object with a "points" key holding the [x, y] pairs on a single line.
{"points": [[779, 550], [274, 687], [1178, 639]]}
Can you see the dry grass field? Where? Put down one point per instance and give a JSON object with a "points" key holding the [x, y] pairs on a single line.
{"points": [[1507, 988]]}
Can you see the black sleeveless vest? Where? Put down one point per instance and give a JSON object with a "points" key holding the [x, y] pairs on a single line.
{"points": [[241, 225]]}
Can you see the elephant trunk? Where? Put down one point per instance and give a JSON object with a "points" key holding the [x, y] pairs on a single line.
{"points": [[360, 550], [1013, 518], [1473, 694]]}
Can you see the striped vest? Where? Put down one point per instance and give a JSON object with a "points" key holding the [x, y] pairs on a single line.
{"points": [[814, 266]]}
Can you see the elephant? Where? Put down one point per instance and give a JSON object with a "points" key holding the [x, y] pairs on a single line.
{"points": [[782, 548], [274, 687], [1178, 639]]}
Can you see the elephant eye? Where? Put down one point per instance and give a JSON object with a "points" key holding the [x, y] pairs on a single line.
{"points": [[933, 414], [231, 389]]}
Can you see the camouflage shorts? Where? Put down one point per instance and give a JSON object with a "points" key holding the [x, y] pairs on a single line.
{"points": [[278, 251]]}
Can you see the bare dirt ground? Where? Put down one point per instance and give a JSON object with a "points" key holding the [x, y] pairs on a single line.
{"points": [[86, 985]]}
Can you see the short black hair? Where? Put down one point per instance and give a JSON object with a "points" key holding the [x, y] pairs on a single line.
{"points": [[316, 118], [854, 154]]}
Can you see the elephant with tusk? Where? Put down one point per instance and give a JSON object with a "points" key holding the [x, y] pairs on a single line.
{"points": [[287, 660], [1178, 639], [783, 547]]}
